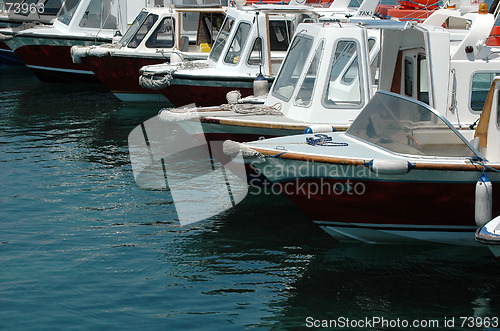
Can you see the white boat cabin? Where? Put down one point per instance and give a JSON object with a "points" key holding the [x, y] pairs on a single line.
{"points": [[328, 75], [255, 39], [187, 29], [443, 62]]}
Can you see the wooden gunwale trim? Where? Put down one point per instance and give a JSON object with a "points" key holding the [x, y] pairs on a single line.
{"points": [[258, 124], [362, 162], [253, 124], [199, 110]]}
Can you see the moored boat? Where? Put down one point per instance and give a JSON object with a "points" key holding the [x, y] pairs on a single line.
{"points": [[400, 173], [46, 49], [157, 33]]}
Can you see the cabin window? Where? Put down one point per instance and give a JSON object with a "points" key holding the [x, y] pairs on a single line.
{"points": [[375, 70], [163, 36], [343, 86], [371, 43], [280, 33], [423, 83], [68, 11], [304, 96], [143, 31], [294, 63], [255, 57], [498, 108], [481, 83], [408, 88], [210, 24], [415, 78], [375, 63], [190, 22], [222, 38], [132, 30], [99, 15], [238, 43]]}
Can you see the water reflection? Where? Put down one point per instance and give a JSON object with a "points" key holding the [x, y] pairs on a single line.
{"points": [[294, 271]]}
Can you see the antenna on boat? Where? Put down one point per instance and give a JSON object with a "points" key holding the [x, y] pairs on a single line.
{"points": [[261, 45], [260, 83]]}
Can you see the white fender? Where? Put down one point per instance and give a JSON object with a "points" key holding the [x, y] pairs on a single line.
{"points": [[260, 86], [319, 128], [484, 201], [389, 166]]}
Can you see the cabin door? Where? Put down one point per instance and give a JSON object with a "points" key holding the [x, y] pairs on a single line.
{"points": [[414, 74]]}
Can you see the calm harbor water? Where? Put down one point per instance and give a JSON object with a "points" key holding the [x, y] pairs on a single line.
{"points": [[83, 247]]}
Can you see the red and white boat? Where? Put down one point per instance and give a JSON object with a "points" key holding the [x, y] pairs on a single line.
{"points": [[400, 173], [157, 34], [253, 40], [46, 49]]}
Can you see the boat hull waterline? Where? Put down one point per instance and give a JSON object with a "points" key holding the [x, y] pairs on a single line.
{"points": [[121, 76], [50, 59]]}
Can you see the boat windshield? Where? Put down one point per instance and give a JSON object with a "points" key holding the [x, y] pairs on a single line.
{"points": [[146, 25], [292, 67], [222, 38], [100, 14], [67, 11], [132, 30], [406, 126], [280, 33]]}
